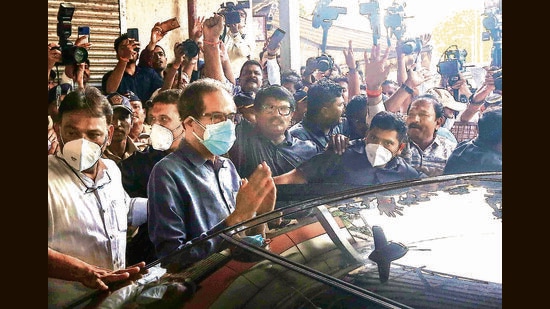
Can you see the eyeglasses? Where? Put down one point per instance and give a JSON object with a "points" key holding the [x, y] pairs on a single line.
{"points": [[282, 110], [218, 117]]}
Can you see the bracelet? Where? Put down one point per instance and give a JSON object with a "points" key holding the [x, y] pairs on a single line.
{"points": [[407, 88], [352, 70], [374, 93], [210, 42]]}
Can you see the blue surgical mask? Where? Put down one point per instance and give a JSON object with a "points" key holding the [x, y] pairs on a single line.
{"points": [[218, 137]]}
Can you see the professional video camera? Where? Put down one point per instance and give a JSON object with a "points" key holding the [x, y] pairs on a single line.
{"points": [[70, 53], [230, 11], [395, 14], [493, 26], [452, 63], [492, 23]]}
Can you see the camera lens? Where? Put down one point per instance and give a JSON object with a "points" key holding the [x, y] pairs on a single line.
{"points": [[80, 54], [73, 54], [323, 65], [408, 48], [190, 48]]}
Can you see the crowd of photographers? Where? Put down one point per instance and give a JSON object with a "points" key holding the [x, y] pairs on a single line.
{"points": [[275, 122]]}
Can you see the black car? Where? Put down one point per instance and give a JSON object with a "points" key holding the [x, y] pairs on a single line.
{"points": [[428, 243]]}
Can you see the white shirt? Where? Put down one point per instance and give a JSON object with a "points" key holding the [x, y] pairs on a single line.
{"points": [[88, 220]]}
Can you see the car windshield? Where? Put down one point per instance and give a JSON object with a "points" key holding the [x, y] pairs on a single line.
{"points": [[423, 243]]}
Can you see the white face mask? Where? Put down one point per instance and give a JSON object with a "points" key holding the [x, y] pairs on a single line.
{"points": [[81, 154], [449, 123], [161, 137], [377, 154]]}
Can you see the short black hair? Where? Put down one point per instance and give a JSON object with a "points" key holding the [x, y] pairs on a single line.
{"points": [[438, 106], [119, 40], [167, 96], [319, 94], [274, 91], [489, 126], [390, 121], [89, 99]]}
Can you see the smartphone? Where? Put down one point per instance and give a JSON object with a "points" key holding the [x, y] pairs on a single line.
{"points": [[133, 33], [84, 30], [170, 24], [276, 38]]}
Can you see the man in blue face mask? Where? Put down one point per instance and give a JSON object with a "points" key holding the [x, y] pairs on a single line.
{"points": [[88, 210], [194, 191]]}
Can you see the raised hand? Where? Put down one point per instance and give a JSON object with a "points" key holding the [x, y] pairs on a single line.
{"points": [[213, 28], [196, 32], [156, 34], [349, 56], [376, 67]]}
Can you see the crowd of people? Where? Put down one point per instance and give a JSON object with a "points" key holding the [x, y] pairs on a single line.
{"points": [[168, 152]]}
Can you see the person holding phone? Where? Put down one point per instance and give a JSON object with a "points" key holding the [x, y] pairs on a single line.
{"points": [[126, 75], [153, 55]]}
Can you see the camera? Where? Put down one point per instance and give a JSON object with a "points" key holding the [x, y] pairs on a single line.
{"points": [[395, 15], [190, 48], [411, 46], [453, 62], [70, 53], [324, 63], [230, 11]]}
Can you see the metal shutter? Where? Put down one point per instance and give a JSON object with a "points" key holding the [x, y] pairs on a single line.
{"points": [[103, 17]]}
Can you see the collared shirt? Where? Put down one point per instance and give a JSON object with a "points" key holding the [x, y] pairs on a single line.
{"points": [[251, 148], [354, 168], [431, 160], [307, 130], [473, 156], [189, 197], [130, 149], [88, 220], [143, 83]]}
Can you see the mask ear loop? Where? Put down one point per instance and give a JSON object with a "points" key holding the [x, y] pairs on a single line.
{"points": [[182, 131]]}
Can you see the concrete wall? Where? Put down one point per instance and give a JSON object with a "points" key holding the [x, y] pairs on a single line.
{"points": [[143, 14]]}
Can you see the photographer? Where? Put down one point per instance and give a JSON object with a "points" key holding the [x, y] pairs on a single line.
{"points": [[126, 75], [238, 42], [477, 101]]}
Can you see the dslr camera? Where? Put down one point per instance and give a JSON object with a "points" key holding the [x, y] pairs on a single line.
{"points": [[230, 11], [190, 48], [412, 46], [324, 63], [70, 53]]}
